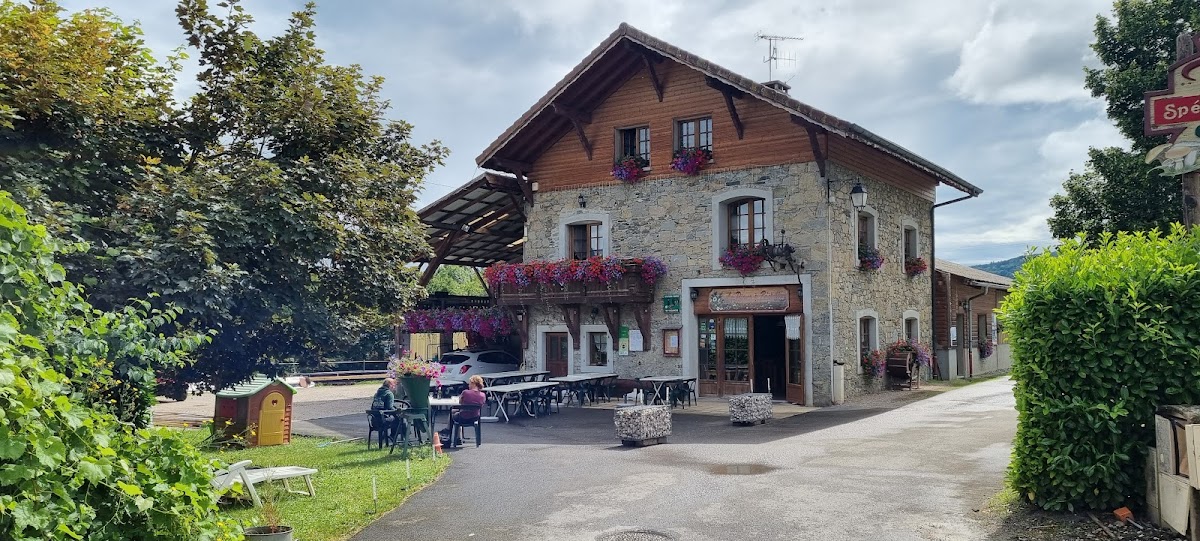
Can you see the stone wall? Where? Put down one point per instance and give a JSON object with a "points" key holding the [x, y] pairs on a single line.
{"points": [[672, 218], [885, 293]]}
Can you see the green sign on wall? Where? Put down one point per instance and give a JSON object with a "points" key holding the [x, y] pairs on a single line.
{"points": [[671, 304]]}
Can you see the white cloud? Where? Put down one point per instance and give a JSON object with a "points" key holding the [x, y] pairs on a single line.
{"points": [[1028, 55]]}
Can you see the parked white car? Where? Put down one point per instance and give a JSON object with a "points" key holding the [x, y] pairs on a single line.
{"points": [[461, 365]]}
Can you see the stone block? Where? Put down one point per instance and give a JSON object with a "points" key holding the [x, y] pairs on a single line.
{"points": [[642, 425], [750, 408]]}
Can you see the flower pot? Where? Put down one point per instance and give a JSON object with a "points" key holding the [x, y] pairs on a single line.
{"points": [[417, 389], [268, 533]]}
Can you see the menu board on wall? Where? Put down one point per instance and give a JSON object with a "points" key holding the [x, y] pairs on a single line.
{"points": [[635, 340]]}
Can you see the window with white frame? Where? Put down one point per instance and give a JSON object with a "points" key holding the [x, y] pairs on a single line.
{"points": [[694, 133], [740, 217], [912, 329], [865, 229], [585, 240], [910, 242]]}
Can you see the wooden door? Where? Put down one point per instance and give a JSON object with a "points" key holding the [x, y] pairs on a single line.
{"points": [[557, 353], [270, 419], [795, 367], [736, 342]]}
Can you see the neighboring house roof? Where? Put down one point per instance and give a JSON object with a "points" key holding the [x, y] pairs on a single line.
{"points": [[981, 278], [249, 388], [608, 66]]}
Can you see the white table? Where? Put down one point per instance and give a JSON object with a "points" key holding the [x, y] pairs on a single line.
{"points": [[500, 393], [500, 378], [659, 381], [578, 384]]}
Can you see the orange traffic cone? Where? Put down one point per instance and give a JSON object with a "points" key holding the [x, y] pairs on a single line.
{"points": [[437, 443]]}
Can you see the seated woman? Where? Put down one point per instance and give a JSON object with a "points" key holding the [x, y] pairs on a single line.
{"points": [[474, 399], [383, 406]]}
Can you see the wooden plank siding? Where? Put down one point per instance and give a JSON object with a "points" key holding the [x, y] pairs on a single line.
{"points": [[770, 136], [872, 163]]}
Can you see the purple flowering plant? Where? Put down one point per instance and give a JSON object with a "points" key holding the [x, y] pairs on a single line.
{"points": [[869, 259], [690, 161], [629, 168], [746, 258], [874, 363]]}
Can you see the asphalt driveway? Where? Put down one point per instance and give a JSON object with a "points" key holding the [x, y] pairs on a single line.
{"points": [[842, 473]]}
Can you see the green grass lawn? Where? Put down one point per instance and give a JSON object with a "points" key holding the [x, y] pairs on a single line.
{"points": [[343, 505]]}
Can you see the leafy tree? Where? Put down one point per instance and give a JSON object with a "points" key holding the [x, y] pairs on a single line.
{"points": [[455, 280], [273, 206], [1117, 191], [68, 468]]}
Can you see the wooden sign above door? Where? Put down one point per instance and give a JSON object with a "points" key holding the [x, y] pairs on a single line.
{"points": [[750, 299]]}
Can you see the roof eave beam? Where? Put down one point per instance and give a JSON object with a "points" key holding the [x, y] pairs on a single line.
{"points": [[650, 59], [518, 169], [729, 92], [578, 119]]}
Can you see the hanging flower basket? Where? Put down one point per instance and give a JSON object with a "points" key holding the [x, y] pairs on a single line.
{"points": [[869, 259], [483, 322], [629, 168], [986, 348], [746, 258], [690, 161], [915, 266]]}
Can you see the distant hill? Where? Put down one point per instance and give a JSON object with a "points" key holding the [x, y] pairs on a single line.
{"points": [[1008, 267]]}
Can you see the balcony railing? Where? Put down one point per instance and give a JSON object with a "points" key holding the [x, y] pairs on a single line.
{"points": [[631, 287]]}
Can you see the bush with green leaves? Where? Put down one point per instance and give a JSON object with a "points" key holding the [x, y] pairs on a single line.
{"points": [[69, 469], [1100, 338]]}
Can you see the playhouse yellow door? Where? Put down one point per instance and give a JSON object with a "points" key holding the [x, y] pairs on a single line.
{"points": [[270, 420]]}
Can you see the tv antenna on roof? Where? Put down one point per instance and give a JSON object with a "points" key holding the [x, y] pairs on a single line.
{"points": [[773, 58]]}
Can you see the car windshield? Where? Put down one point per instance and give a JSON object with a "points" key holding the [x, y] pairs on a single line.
{"points": [[453, 358]]}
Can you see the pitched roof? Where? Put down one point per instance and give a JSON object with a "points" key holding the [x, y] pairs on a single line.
{"points": [[249, 388], [482, 220], [973, 274], [540, 126]]}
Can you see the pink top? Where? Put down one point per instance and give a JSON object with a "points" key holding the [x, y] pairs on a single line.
{"points": [[472, 397]]}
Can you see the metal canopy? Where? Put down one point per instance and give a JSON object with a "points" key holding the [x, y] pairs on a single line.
{"points": [[478, 224]]}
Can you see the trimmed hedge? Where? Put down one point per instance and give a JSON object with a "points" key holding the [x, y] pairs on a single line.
{"points": [[1100, 337]]}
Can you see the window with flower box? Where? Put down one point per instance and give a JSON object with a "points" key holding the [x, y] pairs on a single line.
{"points": [[634, 142], [741, 216], [746, 222], [866, 250], [694, 133]]}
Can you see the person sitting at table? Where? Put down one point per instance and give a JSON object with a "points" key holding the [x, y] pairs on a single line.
{"points": [[383, 410], [472, 396]]}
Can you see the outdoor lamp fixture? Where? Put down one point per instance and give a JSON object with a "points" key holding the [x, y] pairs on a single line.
{"points": [[694, 293], [582, 201], [858, 195]]}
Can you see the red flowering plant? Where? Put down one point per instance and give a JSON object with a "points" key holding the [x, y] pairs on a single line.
{"points": [[595, 270], [746, 258], [629, 168], [874, 363], [690, 161], [869, 259], [914, 266]]}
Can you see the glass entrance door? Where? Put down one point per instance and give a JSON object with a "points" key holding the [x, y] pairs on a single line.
{"points": [[795, 369], [725, 346]]}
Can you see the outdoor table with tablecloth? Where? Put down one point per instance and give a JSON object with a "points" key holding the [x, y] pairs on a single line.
{"points": [[522, 392]]}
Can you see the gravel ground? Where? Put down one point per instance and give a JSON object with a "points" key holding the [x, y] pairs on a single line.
{"points": [[1022, 522]]}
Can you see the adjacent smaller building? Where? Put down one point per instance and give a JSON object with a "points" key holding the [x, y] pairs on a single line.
{"points": [[968, 338]]}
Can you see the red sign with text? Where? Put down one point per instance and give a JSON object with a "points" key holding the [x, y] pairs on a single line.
{"points": [[1177, 110]]}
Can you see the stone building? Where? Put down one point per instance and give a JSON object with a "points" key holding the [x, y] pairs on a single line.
{"points": [[777, 180], [965, 323]]}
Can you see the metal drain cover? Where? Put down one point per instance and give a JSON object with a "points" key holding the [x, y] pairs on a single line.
{"points": [[635, 535]]}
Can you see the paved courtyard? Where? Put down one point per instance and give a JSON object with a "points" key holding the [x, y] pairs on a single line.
{"points": [[842, 473]]}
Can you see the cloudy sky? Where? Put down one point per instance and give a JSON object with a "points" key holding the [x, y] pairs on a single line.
{"points": [[992, 91]]}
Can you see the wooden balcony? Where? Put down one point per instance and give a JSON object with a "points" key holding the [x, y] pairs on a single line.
{"points": [[631, 288]]}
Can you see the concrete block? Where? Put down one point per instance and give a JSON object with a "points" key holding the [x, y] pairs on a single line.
{"points": [[750, 408], [642, 425]]}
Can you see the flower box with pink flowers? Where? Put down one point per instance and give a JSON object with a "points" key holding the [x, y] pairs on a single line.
{"points": [[574, 281]]}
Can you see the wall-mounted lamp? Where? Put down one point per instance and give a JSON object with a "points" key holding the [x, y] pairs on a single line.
{"points": [[694, 293], [858, 196], [582, 201]]}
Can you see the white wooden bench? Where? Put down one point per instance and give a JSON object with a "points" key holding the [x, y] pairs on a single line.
{"points": [[238, 473]]}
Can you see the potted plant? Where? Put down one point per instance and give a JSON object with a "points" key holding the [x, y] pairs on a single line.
{"points": [[746, 258], [272, 528], [869, 259], [629, 168], [415, 375], [914, 266], [690, 161], [874, 363]]}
